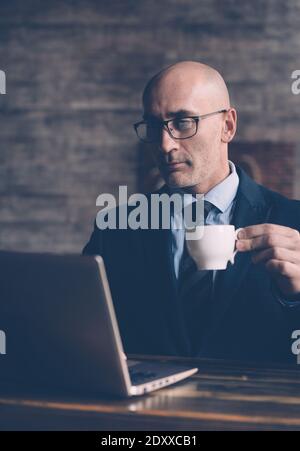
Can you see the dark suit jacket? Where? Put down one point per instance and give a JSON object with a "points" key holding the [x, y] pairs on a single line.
{"points": [[248, 322]]}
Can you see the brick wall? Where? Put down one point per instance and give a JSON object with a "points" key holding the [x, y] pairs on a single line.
{"points": [[75, 71]]}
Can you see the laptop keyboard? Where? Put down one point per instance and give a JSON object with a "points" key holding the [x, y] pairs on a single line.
{"points": [[144, 372], [141, 377]]}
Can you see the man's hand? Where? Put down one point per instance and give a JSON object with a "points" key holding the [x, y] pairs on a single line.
{"points": [[278, 248]]}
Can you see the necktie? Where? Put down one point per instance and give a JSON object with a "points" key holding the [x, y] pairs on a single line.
{"points": [[195, 295]]}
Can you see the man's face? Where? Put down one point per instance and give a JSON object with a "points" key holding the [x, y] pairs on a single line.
{"points": [[192, 161]]}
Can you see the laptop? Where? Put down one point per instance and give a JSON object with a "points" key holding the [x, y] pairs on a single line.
{"points": [[61, 331]]}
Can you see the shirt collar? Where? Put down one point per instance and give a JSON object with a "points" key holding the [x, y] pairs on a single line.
{"points": [[223, 194]]}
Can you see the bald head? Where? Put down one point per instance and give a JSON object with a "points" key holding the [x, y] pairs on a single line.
{"points": [[189, 77], [194, 100]]}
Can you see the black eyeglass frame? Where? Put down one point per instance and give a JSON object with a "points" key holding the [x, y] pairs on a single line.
{"points": [[165, 124]]}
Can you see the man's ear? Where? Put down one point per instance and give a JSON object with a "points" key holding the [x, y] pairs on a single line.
{"points": [[230, 125]]}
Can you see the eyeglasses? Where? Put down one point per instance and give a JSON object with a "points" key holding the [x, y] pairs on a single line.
{"points": [[178, 128]]}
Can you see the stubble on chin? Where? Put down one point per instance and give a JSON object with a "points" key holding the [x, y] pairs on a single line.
{"points": [[179, 180]]}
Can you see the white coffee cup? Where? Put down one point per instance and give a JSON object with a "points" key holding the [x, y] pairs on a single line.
{"points": [[212, 246]]}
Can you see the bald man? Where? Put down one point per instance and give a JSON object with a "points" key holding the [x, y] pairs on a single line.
{"points": [[246, 312]]}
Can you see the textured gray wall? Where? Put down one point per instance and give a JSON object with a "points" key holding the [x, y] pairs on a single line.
{"points": [[75, 71]]}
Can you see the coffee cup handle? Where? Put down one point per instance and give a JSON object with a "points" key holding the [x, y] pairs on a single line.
{"points": [[236, 251]]}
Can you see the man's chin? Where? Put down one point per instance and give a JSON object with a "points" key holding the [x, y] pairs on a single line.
{"points": [[176, 180], [178, 176]]}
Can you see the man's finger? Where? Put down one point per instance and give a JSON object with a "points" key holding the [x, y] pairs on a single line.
{"points": [[286, 269], [264, 229], [277, 253], [267, 241]]}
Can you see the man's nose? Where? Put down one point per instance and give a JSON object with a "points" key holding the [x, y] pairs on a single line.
{"points": [[167, 143]]}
